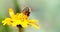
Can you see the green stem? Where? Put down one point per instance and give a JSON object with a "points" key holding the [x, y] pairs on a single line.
{"points": [[20, 29]]}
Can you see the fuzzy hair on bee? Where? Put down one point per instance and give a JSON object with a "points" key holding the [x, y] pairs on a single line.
{"points": [[26, 11]]}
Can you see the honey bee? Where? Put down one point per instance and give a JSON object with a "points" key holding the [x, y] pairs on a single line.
{"points": [[26, 11]]}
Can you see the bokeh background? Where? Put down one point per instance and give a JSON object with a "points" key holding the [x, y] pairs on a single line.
{"points": [[46, 11]]}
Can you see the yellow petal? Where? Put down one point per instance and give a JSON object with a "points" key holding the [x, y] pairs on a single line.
{"points": [[24, 23], [35, 25], [11, 12], [4, 23], [33, 21], [7, 21], [16, 22]]}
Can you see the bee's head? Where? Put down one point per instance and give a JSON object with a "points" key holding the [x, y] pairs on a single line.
{"points": [[26, 11]]}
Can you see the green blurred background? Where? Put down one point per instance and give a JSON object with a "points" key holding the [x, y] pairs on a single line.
{"points": [[46, 11]]}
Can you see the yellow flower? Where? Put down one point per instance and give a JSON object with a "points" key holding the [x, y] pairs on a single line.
{"points": [[19, 19]]}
